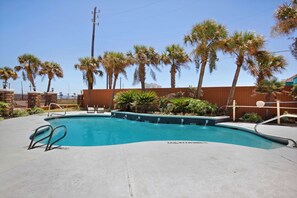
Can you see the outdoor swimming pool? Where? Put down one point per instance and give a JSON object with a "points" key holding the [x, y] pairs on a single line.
{"points": [[100, 131]]}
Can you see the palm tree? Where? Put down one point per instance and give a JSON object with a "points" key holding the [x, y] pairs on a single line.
{"points": [[286, 22], [264, 64], [107, 67], [242, 45], [5, 74], [116, 62], [51, 69], [206, 37], [29, 64], [90, 68], [286, 18], [176, 57], [269, 87], [144, 57]]}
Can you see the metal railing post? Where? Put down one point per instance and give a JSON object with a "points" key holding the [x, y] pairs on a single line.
{"points": [[234, 106], [278, 111], [49, 108]]}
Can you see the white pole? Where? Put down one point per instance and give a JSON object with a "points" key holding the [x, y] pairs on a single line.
{"points": [[278, 111], [234, 110]]}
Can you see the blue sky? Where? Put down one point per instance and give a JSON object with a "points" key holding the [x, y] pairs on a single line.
{"points": [[60, 31]]}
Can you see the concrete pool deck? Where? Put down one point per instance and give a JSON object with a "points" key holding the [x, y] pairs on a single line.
{"points": [[147, 169]]}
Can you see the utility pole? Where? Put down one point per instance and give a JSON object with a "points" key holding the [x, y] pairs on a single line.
{"points": [[95, 16]]}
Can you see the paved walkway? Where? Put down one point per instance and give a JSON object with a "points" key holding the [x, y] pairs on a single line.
{"points": [[148, 169], [274, 130]]}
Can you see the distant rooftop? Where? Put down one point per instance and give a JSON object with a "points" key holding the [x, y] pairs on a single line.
{"points": [[291, 81]]}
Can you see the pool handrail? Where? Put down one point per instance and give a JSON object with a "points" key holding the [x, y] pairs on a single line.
{"points": [[46, 128], [275, 118], [49, 108], [31, 145], [49, 144]]}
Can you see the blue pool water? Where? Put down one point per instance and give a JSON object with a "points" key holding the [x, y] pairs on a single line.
{"points": [[98, 131]]}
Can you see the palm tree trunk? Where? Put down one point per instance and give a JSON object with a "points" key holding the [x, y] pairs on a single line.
{"points": [[232, 90], [110, 81], [199, 88], [31, 80], [46, 94], [49, 85], [173, 72], [90, 87], [34, 86], [5, 84], [142, 76], [112, 93]]}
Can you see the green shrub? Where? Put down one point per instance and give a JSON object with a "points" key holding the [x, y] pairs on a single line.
{"points": [[201, 107], [145, 97], [163, 102], [123, 100], [19, 113], [188, 105], [251, 117], [136, 101], [179, 105], [35, 110], [1, 118], [145, 101], [4, 109]]}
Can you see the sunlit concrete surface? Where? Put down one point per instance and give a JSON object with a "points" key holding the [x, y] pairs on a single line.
{"points": [[273, 130], [147, 169]]}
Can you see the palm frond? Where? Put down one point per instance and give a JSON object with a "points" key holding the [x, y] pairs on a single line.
{"points": [[153, 75], [24, 76], [197, 62], [212, 60], [136, 77]]}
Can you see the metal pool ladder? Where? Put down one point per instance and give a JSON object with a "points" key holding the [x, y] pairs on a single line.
{"points": [[275, 118], [42, 129], [55, 104]]}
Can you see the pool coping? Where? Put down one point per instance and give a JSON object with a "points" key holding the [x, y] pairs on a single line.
{"points": [[76, 115], [280, 140]]}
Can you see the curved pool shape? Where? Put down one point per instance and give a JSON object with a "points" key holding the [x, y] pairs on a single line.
{"points": [[99, 131]]}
